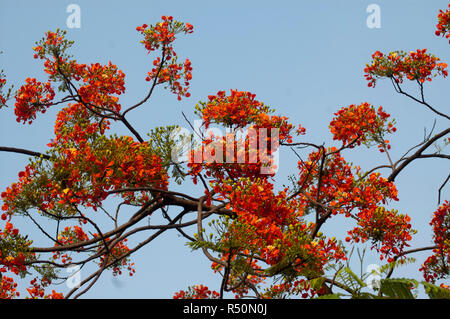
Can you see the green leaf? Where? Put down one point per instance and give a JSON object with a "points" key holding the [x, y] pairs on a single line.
{"points": [[350, 279], [435, 292], [317, 283], [364, 295], [330, 296], [397, 263], [398, 288]]}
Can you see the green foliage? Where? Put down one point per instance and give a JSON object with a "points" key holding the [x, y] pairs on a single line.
{"points": [[47, 271], [58, 52], [8, 94], [331, 296], [167, 143], [391, 288], [397, 263], [16, 246], [435, 292], [350, 280], [398, 288]]}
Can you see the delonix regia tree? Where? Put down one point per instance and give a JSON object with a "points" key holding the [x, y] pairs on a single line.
{"points": [[262, 242]]}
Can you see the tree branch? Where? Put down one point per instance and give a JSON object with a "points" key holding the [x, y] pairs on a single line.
{"points": [[23, 151], [399, 90], [417, 154]]}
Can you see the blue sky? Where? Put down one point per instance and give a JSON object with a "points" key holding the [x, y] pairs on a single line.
{"points": [[303, 58]]}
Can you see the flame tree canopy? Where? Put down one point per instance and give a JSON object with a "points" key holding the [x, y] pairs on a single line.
{"points": [[261, 241]]}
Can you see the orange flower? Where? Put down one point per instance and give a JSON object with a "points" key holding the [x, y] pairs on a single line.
{"points": [[358, 124], [416, 65], [443, 25]]}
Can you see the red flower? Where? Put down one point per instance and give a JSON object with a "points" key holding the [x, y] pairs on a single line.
{"points": [[436, 266], [443, 25], [33, 97], [358, 124], [416, 65], [196, 292]]}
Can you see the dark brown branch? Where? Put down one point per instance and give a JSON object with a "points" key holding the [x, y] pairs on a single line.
{"points": [[192, 127], [117, 116], [188, 205], [200, 233], [131, 251], [417, 154], [153, 189], [406, 253], [319, 182], [423, 102], [152, 87], [23, 151], [144, 211], [440, 188], [179, 228], [42, 229], [226, 275], [131, 128], [444, 156], [96, 277], [302, 144]]}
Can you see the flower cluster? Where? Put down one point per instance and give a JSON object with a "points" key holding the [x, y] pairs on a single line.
{"points": [[2, 84], [256, 204], [441, 227], [163, 33], [117, 257], [443, 26], [37, 290], [415, 65], [389, 231], [271, 227], [51, 43], [12, 259], [301, 287], [197, 292], [70, 235], [237, 109], [101, 83], [75, 125], [437, 265], [166, 69], [234, 155], [33, 97], [344, 192], [172, 74], [340, 190], [57, 64], [86, 165], [8, 288], [361, 123], [13, 192]]}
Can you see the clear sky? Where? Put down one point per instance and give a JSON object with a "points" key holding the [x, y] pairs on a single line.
{"points": [[303, 58]]}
